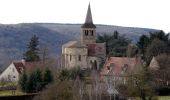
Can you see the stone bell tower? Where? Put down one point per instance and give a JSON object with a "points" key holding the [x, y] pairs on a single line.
{"points": [[88, 29]]}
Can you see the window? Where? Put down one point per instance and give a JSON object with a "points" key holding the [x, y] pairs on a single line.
{"points": [[108, 67], [79, 57], [14, 77], [91, 32], [86, 32], [70, 57], [124, 67], [13, 70], [9, 77]]}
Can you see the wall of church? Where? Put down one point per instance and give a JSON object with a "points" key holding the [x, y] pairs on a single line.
{"points": [[93, 62], [75, 57]]}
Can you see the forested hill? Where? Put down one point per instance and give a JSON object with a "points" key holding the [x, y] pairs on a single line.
{"points": [[14, 37]]}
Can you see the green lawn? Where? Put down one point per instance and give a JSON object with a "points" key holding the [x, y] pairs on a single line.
{"points": [[10, 93], [164, 98]]}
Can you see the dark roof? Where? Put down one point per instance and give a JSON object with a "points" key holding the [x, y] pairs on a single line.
{"points": [[88, 25], [89, 21], [19, 66]]}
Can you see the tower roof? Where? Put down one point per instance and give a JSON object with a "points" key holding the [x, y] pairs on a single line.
{"points": [[89, 21]]}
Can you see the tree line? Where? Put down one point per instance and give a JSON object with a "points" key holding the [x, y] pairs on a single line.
{"points": [[35, 81]]}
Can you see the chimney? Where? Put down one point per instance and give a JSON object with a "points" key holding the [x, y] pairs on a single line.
{"points": [[23, 61]]}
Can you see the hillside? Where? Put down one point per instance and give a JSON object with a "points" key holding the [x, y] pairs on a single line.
{"points": [[14, 37]]}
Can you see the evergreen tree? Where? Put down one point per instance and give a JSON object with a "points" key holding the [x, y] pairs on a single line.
{"points": [[48, 77], [116, 45], [23, 82], [64, 75], [143, 43], [31, 83], [153, 45], [32, 53], [38, 80]]}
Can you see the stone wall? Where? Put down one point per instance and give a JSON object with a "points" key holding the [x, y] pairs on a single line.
{"points": [[75, 57]]}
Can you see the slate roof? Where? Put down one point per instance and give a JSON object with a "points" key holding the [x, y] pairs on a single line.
{"points": [[89, 21]]}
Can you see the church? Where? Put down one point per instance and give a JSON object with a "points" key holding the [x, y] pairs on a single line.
{"points": [[84, 53]]}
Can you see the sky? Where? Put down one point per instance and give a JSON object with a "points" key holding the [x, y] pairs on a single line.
{"points": [[131, 13]]}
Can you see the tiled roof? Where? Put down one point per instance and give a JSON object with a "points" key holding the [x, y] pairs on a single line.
{"points": [[28, 66], [19, 66], [33, 65], [74, 44], [115, 65], [96, 49]]}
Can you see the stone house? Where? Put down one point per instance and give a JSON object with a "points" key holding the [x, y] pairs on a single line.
{"points": [[119, 67], [84, 53]]}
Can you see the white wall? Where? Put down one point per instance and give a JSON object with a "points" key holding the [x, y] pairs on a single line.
{"points": [[10, 74]]}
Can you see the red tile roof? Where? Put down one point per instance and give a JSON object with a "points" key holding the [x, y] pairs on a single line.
{"points": [[115, 65], [96, 49], [33, 65], [19, 66], [28, 66]]}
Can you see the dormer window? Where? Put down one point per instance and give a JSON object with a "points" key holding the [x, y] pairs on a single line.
{"points": [[124, 67], [108, 67]]}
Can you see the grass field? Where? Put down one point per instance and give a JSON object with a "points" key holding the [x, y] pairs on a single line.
{"points": [[11, 92], [164, 98]]}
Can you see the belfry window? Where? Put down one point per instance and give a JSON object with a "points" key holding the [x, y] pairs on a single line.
{"points": [[91, 32], [86, 32], [79, 57]]}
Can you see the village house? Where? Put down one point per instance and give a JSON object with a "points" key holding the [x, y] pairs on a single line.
{"points": [[154, 65], [118, 67], [85, 53], [12, 72], [15, 69]]}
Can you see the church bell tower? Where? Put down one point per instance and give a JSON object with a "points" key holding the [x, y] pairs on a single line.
{"points": [[88, 29]]}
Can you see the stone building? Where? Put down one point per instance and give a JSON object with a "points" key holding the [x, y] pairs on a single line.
{"points": [[85, 53]]}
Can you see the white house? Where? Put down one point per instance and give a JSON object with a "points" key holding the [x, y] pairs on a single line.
{"points": [[12, 72]]}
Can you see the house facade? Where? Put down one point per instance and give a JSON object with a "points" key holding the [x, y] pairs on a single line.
{"points": [[117, 68], [12, 72], [84, 53]]}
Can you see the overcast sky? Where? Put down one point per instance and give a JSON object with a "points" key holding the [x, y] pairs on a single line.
{"points": [[132, 13]]}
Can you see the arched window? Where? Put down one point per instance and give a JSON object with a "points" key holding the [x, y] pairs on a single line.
{"points": [[95, 64], [86, 32], [79, 57], [91, 32]]}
